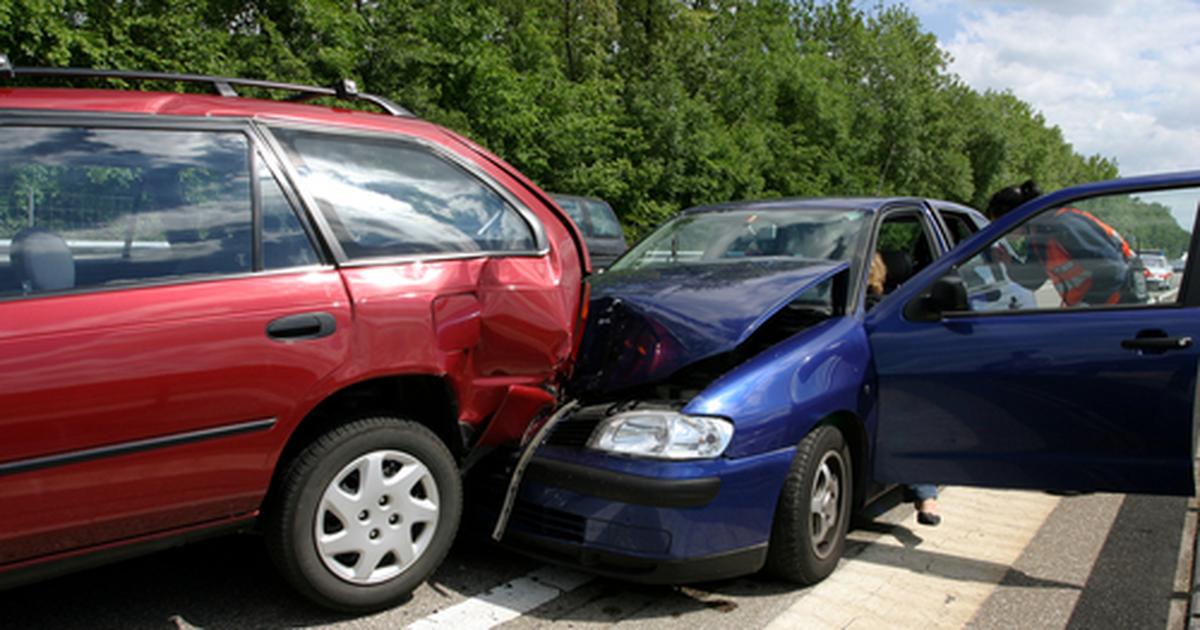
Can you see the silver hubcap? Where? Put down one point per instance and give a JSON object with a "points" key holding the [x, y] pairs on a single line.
{"points": [[377, 517], [826, 505]]}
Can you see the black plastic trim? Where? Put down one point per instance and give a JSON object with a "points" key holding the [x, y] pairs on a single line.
{"points": [[275, 159], [135, 446], [165, 282], [256, 210], [302, 326], [1189, 286], [623, 487], [720, 566], [1098, 308]]}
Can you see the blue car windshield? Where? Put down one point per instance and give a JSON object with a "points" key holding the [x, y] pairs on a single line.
{"points": [[721, 236]]}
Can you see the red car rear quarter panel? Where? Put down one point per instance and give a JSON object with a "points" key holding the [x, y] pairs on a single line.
{"points": [[535, 303], [393, 314], [528, 306], [518, 338]]}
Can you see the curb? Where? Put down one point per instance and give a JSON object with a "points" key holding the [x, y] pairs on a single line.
{"points": [[1193, 609], [1193, 617]]}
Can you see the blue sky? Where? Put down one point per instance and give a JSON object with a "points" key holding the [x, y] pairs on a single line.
{"points": [[1120, 77]]}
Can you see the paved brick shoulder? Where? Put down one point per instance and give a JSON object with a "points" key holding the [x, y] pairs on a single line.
{"points": [[926, 577]]}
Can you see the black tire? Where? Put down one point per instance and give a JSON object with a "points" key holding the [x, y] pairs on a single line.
{"points": [[381, 447], [805, 546]]}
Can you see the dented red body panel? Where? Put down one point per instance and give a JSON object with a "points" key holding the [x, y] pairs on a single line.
{"points": [[94, 372]]}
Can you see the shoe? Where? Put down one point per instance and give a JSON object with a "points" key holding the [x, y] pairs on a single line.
{"points": [[929, 518]]}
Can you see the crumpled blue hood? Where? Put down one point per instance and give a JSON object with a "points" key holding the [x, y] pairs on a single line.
{"points": [[644, 324]]}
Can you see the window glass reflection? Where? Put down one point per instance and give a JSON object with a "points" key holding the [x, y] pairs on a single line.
{"points": [[386, 198]]}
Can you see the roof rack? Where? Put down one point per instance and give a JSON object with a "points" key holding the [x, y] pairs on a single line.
{"points": [[345, 89]]}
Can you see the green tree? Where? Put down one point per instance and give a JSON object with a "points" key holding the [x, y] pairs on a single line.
{"points": [[655, 105]]}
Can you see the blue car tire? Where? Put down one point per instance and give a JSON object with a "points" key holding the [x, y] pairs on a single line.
{"points": [[808, 534]]}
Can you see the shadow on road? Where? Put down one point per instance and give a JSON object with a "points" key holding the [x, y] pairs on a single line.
{"points": [[223, 582], [226, 582], [1132, 581], [230, 583], [943, 565]]}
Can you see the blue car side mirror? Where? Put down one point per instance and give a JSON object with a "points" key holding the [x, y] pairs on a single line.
{"points": [[947, 294]]}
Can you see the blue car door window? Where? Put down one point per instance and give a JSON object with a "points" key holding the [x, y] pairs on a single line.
{"points": [[1084, 254]]}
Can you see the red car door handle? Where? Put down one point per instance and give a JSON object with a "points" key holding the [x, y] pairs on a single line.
{"points": [[302, 326], [1156, 345]]}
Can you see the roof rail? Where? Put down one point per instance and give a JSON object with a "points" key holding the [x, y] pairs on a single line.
{"points": [[345, 89]]}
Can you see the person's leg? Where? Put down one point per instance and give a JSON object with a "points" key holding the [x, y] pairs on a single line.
{"points": [[924, 498]]}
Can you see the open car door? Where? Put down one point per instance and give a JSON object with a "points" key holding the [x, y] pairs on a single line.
{"points": [[1033, 356]]}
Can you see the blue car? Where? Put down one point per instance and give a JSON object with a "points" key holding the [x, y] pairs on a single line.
{"points": [[740, 392]]}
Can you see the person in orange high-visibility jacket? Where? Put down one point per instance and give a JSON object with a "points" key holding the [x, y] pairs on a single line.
{"points": [[1087, 260]]}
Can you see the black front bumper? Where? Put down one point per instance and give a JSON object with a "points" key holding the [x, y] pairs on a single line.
{"points": [[626, 488], [641, 570]]}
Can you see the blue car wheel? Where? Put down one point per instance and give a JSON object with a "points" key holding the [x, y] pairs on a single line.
{"points": [[813, 513]]}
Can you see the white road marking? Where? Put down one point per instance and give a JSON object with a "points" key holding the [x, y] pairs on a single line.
{"points": [[505, 602]]}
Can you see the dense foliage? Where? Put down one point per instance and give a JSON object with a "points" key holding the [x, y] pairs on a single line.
{"points": [[1145, 224], [653, 104]]}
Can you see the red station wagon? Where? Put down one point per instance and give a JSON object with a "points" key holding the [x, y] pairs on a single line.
{"points": [[222, 312]]}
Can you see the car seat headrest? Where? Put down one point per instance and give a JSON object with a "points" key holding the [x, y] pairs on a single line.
{"points": [[42, 260]]}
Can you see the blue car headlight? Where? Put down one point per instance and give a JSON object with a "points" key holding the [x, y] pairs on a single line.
{"points": [[662, 434]]}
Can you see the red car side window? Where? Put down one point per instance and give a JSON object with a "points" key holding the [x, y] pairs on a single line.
{"points": [[91, 207]]}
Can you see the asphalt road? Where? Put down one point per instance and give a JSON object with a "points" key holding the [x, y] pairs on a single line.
{"points": [[1000, 560]]}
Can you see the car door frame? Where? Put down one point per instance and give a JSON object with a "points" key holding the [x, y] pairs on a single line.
{"points": [[970, 216], [933, 233]]}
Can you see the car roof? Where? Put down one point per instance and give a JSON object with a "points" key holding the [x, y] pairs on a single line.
{"points": [[86, 100], [867, 204], [978, 217]]}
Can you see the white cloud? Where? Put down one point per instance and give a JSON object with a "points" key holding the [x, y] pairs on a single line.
{"points": [[1119, 77]]}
